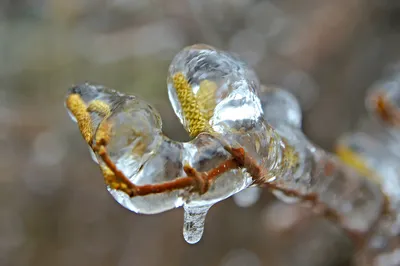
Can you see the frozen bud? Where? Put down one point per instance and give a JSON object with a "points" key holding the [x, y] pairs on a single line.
{"points": [[214, 91], [97, 100], [209, 88], [132, 133], [136, 145]]}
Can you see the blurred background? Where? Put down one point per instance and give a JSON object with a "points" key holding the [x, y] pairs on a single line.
{"points": [[54, 208]]}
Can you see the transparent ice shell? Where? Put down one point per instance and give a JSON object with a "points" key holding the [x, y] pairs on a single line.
{"points": [[280, 106], [223, 90], [226, 83], [350, 195]]}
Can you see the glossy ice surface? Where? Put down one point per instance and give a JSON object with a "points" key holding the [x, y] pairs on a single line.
{"points": [[224, 89], [280, 106]]}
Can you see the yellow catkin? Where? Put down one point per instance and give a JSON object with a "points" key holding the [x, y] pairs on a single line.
{"points": [[103, 133], [197, 122], [206, 98], [354, 160], [99, 107], [110, 179], [77, 107], [109, 176]]}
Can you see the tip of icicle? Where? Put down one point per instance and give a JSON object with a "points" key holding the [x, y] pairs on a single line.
{"points": [[192, 240]]}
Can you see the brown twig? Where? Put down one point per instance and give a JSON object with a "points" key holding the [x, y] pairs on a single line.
{"points": [[199, 181]]}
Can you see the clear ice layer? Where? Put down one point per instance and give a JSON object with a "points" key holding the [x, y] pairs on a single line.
{"points": [[223, 88], [349, 195], [280, 106], [214, 91], [90, 92]]}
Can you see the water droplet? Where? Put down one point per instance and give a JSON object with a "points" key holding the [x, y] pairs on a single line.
{"points": [[193, 226]]}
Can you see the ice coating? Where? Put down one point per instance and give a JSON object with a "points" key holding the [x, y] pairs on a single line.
{"points": [[97, 93], [136, 145], [349, 195], [220, 88], [216, 94], [205, 154], [143, 154], [201, 73], [214, 91], [280, 106], [135, 135], [282, 111], [346, 193]]}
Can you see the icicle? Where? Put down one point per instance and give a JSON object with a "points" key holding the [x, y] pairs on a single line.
{"points": [[193, 225]]}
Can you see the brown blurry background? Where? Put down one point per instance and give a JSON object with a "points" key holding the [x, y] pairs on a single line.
{"points": [[54, 208]]}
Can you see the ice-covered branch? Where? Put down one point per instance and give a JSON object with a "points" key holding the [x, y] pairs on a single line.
{"points": [[243, 135]]}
